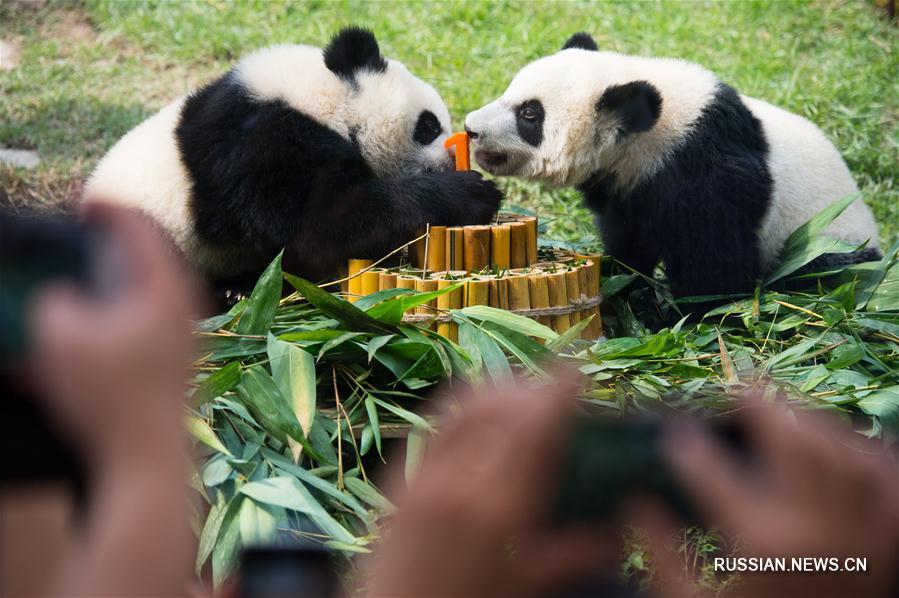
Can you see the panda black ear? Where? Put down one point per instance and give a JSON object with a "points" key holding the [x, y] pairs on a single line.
{"points": [[582, 41], [637, 105], [354, 49]]}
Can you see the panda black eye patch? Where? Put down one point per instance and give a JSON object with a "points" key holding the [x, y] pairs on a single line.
{"points": [[427, 129], [529, 118]]}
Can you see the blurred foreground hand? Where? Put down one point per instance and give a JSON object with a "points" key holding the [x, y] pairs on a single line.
{"points": [[112, 372], [814, 491], [473, 522]]}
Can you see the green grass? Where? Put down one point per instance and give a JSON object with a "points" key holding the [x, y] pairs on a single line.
{"points": [[90, 71]]}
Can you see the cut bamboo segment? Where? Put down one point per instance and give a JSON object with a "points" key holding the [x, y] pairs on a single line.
{"points": [[454, 252], [539, 291], [477, 292], [369, 282], [574, 294], [354, 266], [386, 280], [591, 275], [425, 285], [499, 293], [436, 259], [447, 301], [531, 223], [406, 281], [477, 248], [558, 297], [518, 244], [500, 246], [519, 292]]}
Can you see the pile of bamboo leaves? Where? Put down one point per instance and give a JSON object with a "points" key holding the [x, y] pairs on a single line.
{"points": [[296, 398]]}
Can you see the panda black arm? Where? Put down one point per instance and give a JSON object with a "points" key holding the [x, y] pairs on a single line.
{"points": [[367, 219]]}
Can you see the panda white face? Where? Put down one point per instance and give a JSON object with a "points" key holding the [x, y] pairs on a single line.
{"points": [[399, 122], [570, 115]]}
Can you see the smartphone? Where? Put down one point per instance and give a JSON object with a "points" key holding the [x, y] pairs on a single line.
{"points": [[37, 250], [34, 251], [297, 571], [609, 461]]}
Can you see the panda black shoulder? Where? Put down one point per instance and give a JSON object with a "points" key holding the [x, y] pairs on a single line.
{"points": [[253, 164]]}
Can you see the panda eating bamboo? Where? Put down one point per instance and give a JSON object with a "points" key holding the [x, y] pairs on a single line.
{"points": [[334, 153], [677, 165]]}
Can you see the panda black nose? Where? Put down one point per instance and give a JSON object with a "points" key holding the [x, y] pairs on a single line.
{"points": [[471, 134]]}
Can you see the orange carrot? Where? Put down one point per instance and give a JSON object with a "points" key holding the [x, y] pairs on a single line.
{"points": [[460, 141]]}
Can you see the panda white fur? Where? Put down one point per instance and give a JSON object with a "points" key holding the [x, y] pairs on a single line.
{"points": [[333, 153], [677, 166]]}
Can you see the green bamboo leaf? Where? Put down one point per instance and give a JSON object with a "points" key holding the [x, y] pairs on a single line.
{"points": [[219, 347], [369, 301], [217, 383], [261, 396], [884, 404], [875, 278], [561, 342], [336, 342], [342, 311], [368, 494], [290, 494], [293, 371], [310, 479], [416, 442], [260, 311], [210, 531], [805, 244], [258, 524], [845, 355], [202, 432], [372, 410], [224, 554], [414, 419], [494, 360], [378, 342], [513, 349], [511, 321]]}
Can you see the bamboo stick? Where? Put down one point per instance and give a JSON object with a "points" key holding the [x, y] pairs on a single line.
{"points": [[477, 248], [539, 291], [386, 280], [406, 281], [478, 292], [424, 285], [519, 292], [574, 293], [447, 301], [518, 244], [354, 266], [454, 252], [500, 246], [369, 282], [558, 297], [499, 292], [531, 222], [436, 259]]}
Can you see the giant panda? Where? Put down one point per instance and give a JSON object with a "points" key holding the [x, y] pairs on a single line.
{"points": [[334, 153], [677, 166]]}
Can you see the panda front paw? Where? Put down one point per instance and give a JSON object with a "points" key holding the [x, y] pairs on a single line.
{"points": [[475, 199]]}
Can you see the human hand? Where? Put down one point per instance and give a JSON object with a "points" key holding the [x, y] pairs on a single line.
{"points": [[113, 370], [473, 522], [812, 493]]}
